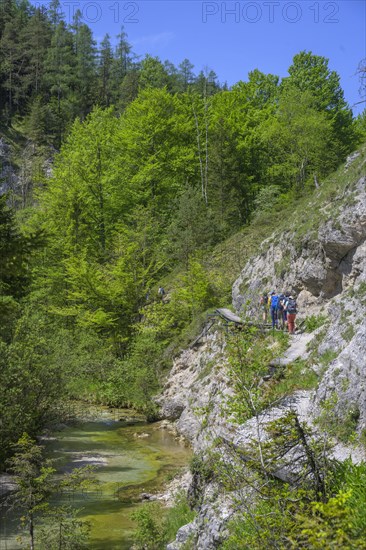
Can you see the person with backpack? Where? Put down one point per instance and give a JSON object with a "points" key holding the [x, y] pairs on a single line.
{"points": [[291, 309], [274, 302], [161, 293], [263, 302], [280, 311], [285, 301]]}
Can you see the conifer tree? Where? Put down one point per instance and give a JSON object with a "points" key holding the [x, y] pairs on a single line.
{"points": [[105, 71], [60, 78], [11, 62], [186, 73], [85, 70], [153, 74], [35, 40], [122, 60]]}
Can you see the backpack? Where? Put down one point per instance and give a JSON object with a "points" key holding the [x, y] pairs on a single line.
{"points": [[280, 302], [263, 300], [291, 306], [274, 301]]}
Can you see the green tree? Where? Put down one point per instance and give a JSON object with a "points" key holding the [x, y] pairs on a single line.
{"points": [[11, 62], [85, 70], [60, 78], [39, 122], [129, 89], [122, 61], [33, 478], [185, 73], [15, 252], [48, 526], [306, 137], [311, 73], [152, 73], [192, 228], [105, 71], [35, 39]]}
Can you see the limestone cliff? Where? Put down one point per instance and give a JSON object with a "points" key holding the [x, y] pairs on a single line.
{"points": [[322, 257]]}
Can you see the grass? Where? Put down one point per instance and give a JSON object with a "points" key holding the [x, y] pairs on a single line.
{"points": [[158, 525], [327, 357], [296, 376], [314, 322], [342, 428], [348, 334]]}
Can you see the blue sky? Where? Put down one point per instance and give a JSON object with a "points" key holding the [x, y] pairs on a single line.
{"points": [[235, 37]]}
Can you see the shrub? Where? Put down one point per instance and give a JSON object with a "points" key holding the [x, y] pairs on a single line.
{"points": [[314, 321]]}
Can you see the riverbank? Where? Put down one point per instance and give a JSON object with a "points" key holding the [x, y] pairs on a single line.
{"points": [[131, 458]]}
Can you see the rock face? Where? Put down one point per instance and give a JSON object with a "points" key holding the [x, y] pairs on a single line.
{"points": [[196, 391], [322, 265], [8, 176], [345, 381], [326, 267], [329, 275]]}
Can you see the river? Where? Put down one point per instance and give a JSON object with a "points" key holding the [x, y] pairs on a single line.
{"points": [[131, 457]]}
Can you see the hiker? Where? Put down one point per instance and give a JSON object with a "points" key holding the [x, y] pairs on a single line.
{"points": [[273, 302], [280, 310], [263, 302], [291, 308], [285, 302], [161, 292]]}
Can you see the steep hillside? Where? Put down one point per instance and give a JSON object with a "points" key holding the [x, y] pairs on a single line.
{"points": [[318, 251], [322, 258]]}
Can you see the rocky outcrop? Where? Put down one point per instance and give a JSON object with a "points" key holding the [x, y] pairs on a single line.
{"points": [[344, 382], [196, 391], [329, 275], [325, 265], [8, 175]]}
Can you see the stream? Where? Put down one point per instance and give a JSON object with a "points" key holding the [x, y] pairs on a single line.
{"points": [[130, 456]]}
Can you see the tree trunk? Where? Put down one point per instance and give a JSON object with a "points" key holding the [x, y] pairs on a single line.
{"points": [[31, 531]]}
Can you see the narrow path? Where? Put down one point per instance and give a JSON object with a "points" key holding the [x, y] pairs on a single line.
{"points": [[297, 349]]}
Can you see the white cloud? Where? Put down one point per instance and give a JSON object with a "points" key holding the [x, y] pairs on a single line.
{"points": [[161, 39]]}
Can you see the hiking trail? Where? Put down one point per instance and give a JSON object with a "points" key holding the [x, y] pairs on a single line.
{"points": [[297, 349]]}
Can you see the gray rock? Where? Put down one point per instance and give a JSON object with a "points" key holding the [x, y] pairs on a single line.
{"points": [[328, 272], [184, 534], [346, 378]]}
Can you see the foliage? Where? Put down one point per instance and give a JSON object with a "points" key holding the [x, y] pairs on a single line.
{"points": [[314, 322], [35, 486], [339, 424], [158, 526], [63, 529], [250, 355], [279, 515], [296, 376]]}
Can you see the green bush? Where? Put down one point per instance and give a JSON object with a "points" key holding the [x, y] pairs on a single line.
{"points": [[157, 525], [294, 519], [314, 321]]}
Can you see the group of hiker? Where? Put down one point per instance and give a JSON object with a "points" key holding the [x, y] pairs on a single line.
{"points": [[281, 307]]}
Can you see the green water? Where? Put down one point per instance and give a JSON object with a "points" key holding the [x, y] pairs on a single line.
{"points": [[131, 457]]}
